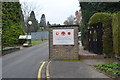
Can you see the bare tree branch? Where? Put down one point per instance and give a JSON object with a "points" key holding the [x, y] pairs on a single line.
{"points": [[27, 7], [70, 20]]}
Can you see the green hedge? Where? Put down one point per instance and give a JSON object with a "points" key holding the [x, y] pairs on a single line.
{"points": [[100, 17], [11, 34], [106, 20], [11, 23], [116, 33]]}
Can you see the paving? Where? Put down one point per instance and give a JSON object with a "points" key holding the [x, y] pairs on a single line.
{"points": [[98, 61], [77, 69], [73, 69], [84, 54], [92, 58]]}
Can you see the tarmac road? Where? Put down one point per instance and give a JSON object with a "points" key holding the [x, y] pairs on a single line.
{"points": [[25, 63]]}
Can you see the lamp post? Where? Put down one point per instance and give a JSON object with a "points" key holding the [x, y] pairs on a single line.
{"points": [[29, 24]]}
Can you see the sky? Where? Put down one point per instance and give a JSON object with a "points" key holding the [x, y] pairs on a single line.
{"points": [[56, 11]]}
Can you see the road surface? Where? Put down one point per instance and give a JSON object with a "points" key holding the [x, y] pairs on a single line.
{"points": [[25, 63], [29, 62]]}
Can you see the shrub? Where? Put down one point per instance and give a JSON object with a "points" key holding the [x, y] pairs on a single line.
{"points": [[116, 33], [11, 34], [11, 23], [105, 19]]}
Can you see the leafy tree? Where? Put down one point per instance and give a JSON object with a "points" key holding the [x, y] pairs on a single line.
{"points": [[43, 21], [34, 26], [11, 23]]}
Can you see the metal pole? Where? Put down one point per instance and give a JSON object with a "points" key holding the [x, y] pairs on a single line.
{"points": [[30, 23], [30, 34]]}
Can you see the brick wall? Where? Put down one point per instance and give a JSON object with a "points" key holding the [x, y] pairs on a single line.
{"points": [[64, 52]]}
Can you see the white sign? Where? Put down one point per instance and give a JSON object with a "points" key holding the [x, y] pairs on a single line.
{"points": [[22, 36], [63, 37], [28, 37]]}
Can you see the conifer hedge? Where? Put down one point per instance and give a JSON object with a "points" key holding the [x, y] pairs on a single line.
{"points": [[116, 33], [11, 23], [106, 20]]}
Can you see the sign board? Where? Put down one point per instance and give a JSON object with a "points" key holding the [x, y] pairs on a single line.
{"points": [[79, 34], [22, 36], [63, 37], [28, 37]]}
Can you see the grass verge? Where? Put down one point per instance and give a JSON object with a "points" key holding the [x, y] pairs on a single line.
{"points": [[36, 42]]}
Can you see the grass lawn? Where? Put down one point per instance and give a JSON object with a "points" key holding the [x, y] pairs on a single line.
{"points": [[36, 42]]}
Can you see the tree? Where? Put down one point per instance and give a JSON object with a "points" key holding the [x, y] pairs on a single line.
{"points": [[11, 23], [43, 21], [89, 8], [34, 26], [47, 26], [70, 20], [48, 23], [27, 8]]}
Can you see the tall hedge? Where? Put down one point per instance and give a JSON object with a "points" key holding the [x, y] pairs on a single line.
{"points": [[89, 8], [116, 33], [106, 20], [11, 23]]}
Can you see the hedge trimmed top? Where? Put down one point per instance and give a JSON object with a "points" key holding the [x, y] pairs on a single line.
{"points": [[100, 17]]}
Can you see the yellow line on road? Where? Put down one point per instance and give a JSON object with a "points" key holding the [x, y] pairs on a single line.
{"points": [[47, 71], [39, 71]]}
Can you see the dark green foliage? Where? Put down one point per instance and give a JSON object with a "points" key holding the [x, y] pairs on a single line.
{"points": [[11, 11], [34, 26], [100, 17], [89, 8], [106, 20], [107, 40], [23, 23], [11, 23], [116, 33], [43, 21], [48, 24], [11, 34]]}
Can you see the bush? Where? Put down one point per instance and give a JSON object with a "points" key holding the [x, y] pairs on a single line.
{"points": [[11, 36], [116, 33], [11, 23], [105, 19]]}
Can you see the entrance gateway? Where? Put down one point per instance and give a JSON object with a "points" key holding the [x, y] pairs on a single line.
{"points": [[63, 42]]}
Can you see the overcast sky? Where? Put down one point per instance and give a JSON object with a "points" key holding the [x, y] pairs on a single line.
{"points": [[56, 11]]}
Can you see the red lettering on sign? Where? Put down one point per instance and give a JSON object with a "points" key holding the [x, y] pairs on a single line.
{"points": [[62, 33], [57, 33], [69, 33]]}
